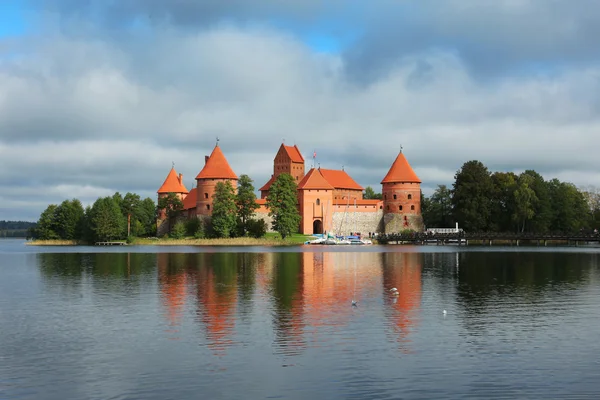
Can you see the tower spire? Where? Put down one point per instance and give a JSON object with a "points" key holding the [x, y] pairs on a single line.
{"points": [[217, 141]]}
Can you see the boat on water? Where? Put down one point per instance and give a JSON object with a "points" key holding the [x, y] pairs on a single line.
{"points": [[331, 239]]}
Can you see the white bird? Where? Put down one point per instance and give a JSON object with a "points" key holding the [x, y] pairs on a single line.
{"points": [[393, 289], [354, 303], [444, 312]]}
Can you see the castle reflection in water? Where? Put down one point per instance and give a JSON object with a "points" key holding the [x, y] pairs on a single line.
{"points": [[300, 299]]}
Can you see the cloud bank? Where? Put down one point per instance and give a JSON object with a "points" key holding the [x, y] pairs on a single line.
{"points": [[104, 96]]}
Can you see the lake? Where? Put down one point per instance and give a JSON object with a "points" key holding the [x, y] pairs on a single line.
{"points": [[141, 322]]}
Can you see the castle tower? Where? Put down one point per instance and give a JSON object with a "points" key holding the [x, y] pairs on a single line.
{"points": [[173, 184], [401, 190], [315, 199], [216, 169], [288, 160]]}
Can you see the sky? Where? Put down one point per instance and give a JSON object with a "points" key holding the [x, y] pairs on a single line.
{"points": [[99, 96]]}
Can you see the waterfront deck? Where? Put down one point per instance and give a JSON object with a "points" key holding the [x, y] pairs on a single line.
{"points": [[490, 238], [110, 244]]}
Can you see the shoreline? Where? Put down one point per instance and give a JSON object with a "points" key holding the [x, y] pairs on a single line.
{"points": [[244, 241]]}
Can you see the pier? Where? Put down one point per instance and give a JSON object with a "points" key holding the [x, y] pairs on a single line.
{"points": [[489, 238], [110, 244]]}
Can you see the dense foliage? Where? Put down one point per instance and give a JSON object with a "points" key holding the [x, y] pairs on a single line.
{"points": [[370, 194], [507, 202], [106, 219], [282, 203], [224, 218], [246, 204]]}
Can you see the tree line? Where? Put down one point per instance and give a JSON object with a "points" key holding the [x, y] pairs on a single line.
{"points": [[15, 229], [105, 220], [480, 200]]}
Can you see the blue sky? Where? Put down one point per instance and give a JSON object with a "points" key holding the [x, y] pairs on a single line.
{"points": [[12, 18]]}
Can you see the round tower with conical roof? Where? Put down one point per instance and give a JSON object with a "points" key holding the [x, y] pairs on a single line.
{"points": [[172, 184], [216, 169], [401, 191]]}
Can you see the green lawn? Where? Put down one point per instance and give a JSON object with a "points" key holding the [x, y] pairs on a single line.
{"points": [[295, 238]]}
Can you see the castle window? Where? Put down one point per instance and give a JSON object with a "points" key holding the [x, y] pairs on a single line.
{"points": [[400, 208], [385, 196], [318, 202], [208, 206], [387, 208], [410, 196], [394, 197], [206, 195], [381, 207], [412, 208]]}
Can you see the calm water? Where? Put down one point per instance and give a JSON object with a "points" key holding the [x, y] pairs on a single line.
{"points": [[246, 323]]}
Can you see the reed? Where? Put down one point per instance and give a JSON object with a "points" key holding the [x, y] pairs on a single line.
{"points": [[54, 243], [241, 241]]}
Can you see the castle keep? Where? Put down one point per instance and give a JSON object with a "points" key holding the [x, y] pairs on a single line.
{"points": [[328, 200]]}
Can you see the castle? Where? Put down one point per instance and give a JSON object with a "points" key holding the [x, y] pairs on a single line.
{"points": [[328, 200]]}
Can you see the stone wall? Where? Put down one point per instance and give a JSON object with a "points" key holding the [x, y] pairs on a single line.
{"points": [[268, 219], [394, 223], [363, 222]]}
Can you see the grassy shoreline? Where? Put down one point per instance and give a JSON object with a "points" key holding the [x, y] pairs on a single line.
{"points": [[269, 240]]}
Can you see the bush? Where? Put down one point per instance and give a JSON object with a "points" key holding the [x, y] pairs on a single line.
{"points": [[200, 232], [191, 226], [257, 228], [178, 231]]}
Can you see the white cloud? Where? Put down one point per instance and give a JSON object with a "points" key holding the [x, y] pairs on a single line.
{"points": [[90, 116]]}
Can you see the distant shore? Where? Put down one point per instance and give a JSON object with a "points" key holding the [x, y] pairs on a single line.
{"points": [[269, 240]]}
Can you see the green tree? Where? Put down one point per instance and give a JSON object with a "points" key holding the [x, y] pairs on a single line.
{"points": [[106, 220], [525, 201], [438, 212], [591, 195], [178, 231], [257, 228], [46, 226], [471, 196], [502, 201], [147, 217], [569, 208], [172, 205], [370, 194], [223, 218], [246, 202], [542, 218], [282, 203], [69, 219]]}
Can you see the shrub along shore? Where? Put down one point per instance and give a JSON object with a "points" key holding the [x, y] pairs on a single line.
{"points": [[271, 239]]}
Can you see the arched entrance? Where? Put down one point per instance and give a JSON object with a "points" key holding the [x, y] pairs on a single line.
{"points": [[317, 226]]}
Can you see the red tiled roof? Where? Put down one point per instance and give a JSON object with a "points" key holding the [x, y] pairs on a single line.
{"points": [[339, 179], [314, 180], [261, 202], [173, 184], [350, 202], [217, 167], [267, 185], [294, 153], [401, 171], [190, 199]]}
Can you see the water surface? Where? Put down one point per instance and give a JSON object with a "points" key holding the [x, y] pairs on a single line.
{"points": [[191, 322]]}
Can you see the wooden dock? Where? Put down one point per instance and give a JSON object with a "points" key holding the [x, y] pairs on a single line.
{"points": [[490, 238], [110, 244]]}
